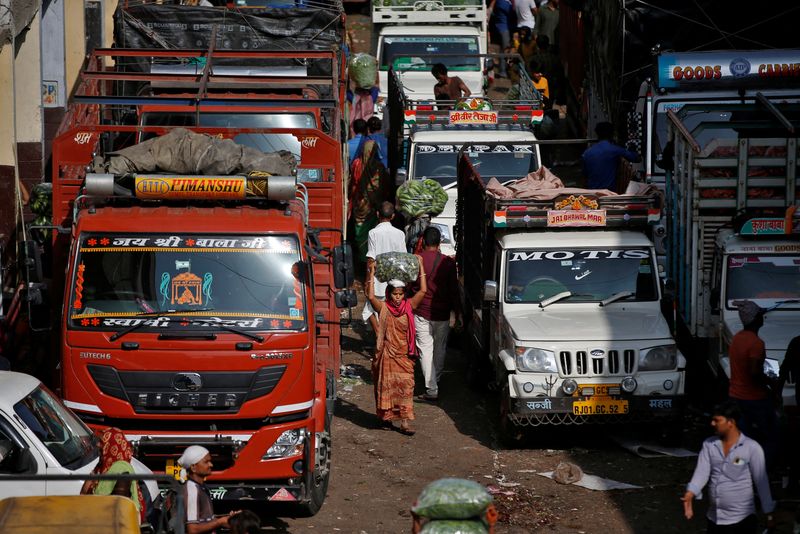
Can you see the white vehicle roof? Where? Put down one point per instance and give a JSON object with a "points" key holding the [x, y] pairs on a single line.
{"points": [[566, 239], [15, 386], [410, 31], [454, 136], [742, 245]]}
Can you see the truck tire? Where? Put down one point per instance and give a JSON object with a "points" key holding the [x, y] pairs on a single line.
{"points": [[509, 433], [319, 485]]}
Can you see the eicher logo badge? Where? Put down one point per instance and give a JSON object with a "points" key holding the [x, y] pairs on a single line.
{"points": [[187, 382]]}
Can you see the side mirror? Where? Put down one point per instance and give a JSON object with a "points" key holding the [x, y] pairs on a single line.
{"points": [[31, 262], [343, 266], [669, 288], [714, 300], [490, 291], [401, 176], [38, 307], [347, 298]]}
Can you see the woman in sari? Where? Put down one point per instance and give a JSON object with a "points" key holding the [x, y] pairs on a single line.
{"points": [[396, 351], [116, 456], [369, 186]]}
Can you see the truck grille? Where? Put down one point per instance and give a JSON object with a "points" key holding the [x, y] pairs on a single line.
{"points": [[612, 363], [214, 392]]}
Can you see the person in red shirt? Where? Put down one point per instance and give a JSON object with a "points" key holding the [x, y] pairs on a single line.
{"points": [[749, 386], [432, 316]]}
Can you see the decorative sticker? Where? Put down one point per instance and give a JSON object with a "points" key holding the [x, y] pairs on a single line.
{"points": [[78, 302]]}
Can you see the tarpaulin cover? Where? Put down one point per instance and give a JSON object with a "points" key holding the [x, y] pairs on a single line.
{"points": [[175, 26], [253, 29], [184, 152]]}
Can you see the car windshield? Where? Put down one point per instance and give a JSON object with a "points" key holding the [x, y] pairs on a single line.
{"points": [[197, 281], [591, 275], [69, 441], [765, 279], [413, 52], [504, 162]]}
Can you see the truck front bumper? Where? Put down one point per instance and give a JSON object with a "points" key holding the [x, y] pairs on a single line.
{"points": [[579, 410]]}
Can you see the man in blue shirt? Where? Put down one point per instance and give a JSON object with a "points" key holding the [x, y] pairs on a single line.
{"points": [[375, 127], [501, 11], [601, 160], [360, 130], [731, 464]]}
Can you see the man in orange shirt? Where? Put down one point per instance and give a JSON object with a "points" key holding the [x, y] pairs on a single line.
{"points": [[749, 386]]}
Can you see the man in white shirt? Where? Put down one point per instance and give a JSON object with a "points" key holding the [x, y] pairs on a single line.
{"points": [[526, 13], [383, 238]]}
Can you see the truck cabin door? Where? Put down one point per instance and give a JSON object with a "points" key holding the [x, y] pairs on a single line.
{"points": [[18, 458]]}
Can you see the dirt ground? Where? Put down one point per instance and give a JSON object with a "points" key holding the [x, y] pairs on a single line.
{"points": [[377, 474]]}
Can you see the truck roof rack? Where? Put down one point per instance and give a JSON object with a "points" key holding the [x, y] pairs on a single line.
{"points": [[429, 11], [577, 209]]}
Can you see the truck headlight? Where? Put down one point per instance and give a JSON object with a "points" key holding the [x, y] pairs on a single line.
{"points": [[659, 358], [289, 443], [535, 360]]}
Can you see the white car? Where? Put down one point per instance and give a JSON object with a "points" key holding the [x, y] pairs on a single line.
{"points": [[41, 436]]}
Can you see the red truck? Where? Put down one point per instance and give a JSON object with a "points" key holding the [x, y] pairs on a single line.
{"points": [[203, 309]]}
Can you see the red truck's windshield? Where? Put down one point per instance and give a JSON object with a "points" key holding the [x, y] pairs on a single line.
{"points": [[264, 142], [198, 282]]}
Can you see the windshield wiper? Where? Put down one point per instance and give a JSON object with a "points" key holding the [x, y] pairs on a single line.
{"points": [[243, 333], [137, 326], [780, 303], [555, 298], [615, 297]]}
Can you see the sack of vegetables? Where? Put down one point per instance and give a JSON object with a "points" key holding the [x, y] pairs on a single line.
{"points": [[396, 266], [421, 197], [452, 498], [363, 70]]}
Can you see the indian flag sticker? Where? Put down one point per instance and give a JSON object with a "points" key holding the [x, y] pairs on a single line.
{"points": [[537, 116], [410, 116]]}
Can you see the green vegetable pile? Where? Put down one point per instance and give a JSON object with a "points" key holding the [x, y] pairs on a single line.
{"points": [[450, 526], [396, 266], [41, 204], [363, 70], [452, 498], [420, 197]]}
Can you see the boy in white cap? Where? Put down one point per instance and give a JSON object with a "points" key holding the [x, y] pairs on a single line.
{"points": [[200, 518], [749, 386]]}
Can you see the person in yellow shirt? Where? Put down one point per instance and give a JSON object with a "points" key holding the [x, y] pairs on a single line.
{"points": [[539, 81]]}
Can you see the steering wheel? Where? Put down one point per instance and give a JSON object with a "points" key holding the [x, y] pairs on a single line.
{"points": [[543, 285], [444, 170]]}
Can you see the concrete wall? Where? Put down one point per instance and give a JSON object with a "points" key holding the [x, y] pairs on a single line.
{"points": [[21, 133]]}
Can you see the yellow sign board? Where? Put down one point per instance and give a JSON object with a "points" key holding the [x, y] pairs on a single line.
{"points": [[199, 187]]}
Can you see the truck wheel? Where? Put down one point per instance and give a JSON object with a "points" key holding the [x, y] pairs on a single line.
{"points": [[319, 482], [509, 434]]}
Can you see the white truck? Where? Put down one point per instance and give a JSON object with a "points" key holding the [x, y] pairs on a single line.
{"points": [[500, 141], [563, 304], [733, 187], [413, 35]]}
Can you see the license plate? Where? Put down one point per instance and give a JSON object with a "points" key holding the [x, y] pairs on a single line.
{"points": [[597, 406], [601, 390]]}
